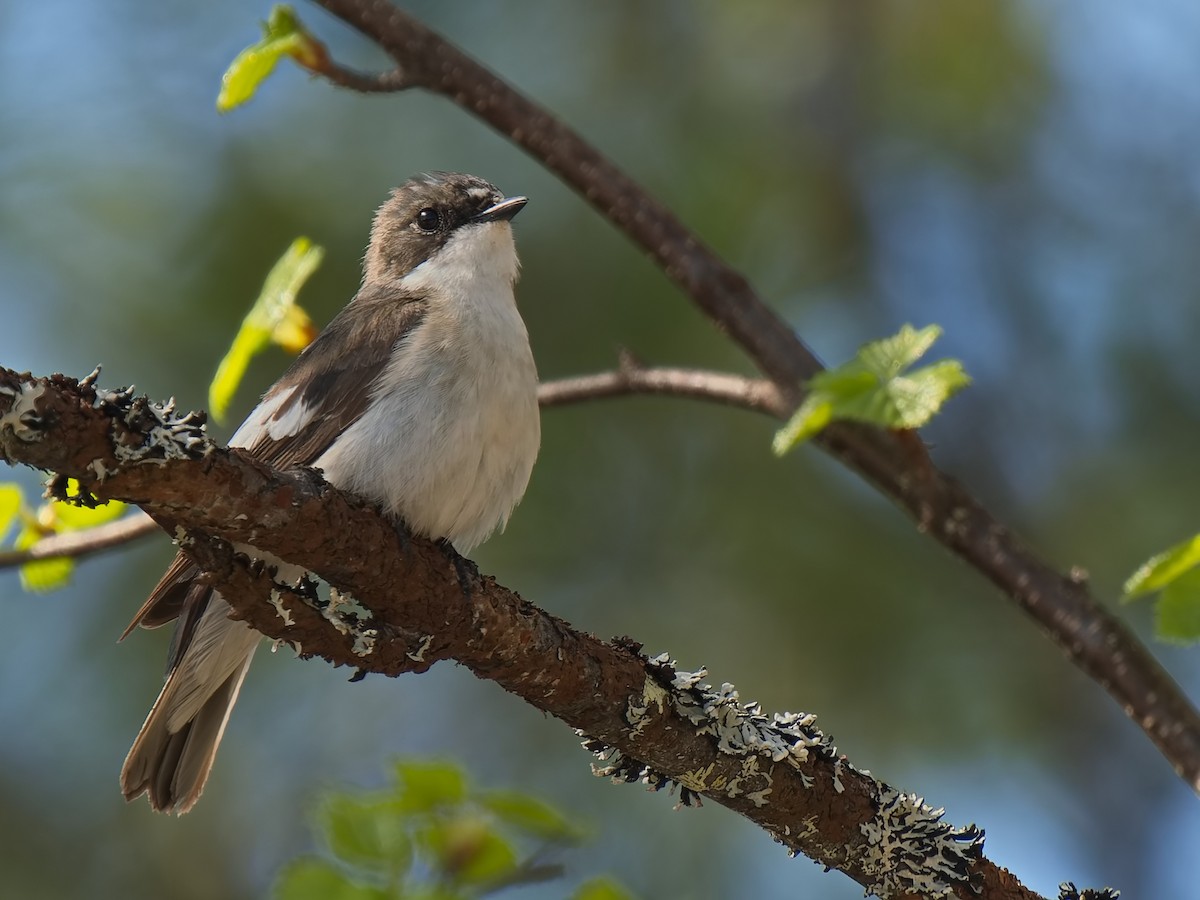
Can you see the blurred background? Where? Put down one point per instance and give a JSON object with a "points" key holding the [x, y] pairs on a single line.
{"points": [[1024, 174]]}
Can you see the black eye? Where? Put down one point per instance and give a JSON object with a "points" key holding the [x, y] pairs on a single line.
{"points": [[429, 219]]}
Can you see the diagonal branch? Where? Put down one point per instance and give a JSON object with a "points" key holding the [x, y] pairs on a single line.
{"points": [[644, 719], [899, 465], [630, 378]]}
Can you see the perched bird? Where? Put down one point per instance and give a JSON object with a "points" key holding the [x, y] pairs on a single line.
{"points": [[420, 395]]}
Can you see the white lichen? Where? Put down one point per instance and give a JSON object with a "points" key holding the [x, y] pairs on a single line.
{"points": [[364, 641], [741, 729], [911, 851], [418, 655], [280, 610], [638, 709], [22, 418], [346, 614], [1068, 891], [164, 434]]}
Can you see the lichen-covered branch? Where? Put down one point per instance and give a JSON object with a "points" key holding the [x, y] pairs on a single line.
{"points": [[646, 721], [898, 464], [630, 378]]}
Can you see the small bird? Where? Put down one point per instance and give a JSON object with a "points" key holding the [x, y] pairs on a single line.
{"points": [[420, 396]]}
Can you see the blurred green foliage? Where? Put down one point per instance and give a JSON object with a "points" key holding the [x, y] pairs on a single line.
{"points": [[54, 517], [429, 835], [1018, 173]]}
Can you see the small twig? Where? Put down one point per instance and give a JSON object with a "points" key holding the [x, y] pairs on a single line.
{"points": [[75, 544], [355, 80], [756, 394]]}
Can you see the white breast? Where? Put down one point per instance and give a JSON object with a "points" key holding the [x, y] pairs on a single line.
{"points": [[450, 440]]}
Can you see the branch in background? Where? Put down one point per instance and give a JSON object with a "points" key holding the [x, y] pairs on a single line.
{"points": [[755, 394], [898, 464], [74, 544], [646, 721]]}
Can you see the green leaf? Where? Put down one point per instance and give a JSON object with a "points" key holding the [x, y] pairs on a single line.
{"points": [[468, 851], [1159, 571], [531, 816], [601, 889], [274, 317], [315, 879], [875, 388], [365, 831], [43, 575], [1177, 615], [283, 35], [424, 786], [11, 500], [69, 517]]}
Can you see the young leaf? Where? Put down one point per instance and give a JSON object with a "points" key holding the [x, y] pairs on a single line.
{"points": [[315, 879], [1159, 571], [57, 517], [274, 318], [467, 850], [601, 889], [1177, 616], [283, 35], [875, 387], [11, 500], [367, 832], [42, 575], [424, 786], [531, 815]]}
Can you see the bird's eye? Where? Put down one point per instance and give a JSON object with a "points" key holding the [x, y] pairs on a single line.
{"points": [[429, 219]]}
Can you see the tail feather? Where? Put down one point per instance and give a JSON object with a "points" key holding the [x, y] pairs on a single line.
{"points": [[172, 767], [173, 753]]}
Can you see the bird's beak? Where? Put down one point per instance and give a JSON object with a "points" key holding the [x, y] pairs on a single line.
{"points": [[502, 211]]}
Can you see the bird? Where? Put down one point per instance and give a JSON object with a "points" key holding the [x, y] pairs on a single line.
{"points": [[420, 396]]}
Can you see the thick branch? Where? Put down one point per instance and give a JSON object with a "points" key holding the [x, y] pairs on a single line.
{"points": [[630, 378], [899, 465], [648, 721]]}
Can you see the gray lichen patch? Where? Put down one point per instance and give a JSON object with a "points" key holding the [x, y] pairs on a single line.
{"points": [[1068, 891], [22, 418], [418, 655], [910, 850], [282, 611], [743, 730], [348, 616], [164, 434]]}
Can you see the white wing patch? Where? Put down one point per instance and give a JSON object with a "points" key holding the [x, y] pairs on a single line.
{"points": [[261, 420]]}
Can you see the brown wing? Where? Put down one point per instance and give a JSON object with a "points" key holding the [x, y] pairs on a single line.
{"points": [[325, 391]]}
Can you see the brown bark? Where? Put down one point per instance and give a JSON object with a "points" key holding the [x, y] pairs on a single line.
{"points": [[420, 603]]}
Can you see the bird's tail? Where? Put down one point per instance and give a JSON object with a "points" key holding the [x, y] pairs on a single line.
{"points": [[174, 752]]}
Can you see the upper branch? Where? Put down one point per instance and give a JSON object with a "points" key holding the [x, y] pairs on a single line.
{"points": [[646, 721], [898, 464]]}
